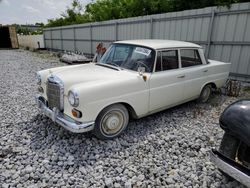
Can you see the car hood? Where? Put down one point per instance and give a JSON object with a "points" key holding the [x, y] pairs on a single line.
{"points": [[76, 74]]}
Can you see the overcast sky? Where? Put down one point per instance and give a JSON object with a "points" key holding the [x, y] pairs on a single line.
{"points": [[32, 11]]}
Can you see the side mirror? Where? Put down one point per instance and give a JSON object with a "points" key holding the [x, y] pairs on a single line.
{"points": [[141, 70]]}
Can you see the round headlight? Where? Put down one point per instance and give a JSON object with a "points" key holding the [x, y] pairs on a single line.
{"points": [[38, 79], [73, 98]]}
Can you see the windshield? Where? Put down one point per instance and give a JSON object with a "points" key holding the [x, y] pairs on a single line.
{"points": [[129, 57]]}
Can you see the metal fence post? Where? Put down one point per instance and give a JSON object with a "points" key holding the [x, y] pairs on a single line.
{"points": [[91, 45], [74, 34], [44, 40], [210, 32], [151, 28], [61, 37], [116, 31], [51, 40]]}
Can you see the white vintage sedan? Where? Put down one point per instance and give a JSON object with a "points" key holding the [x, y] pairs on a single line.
{"points": [[133, 79]]}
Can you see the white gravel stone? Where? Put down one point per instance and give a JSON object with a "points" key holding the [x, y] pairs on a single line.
{"points": [[5, 185], [128, 184], [108, 182]]}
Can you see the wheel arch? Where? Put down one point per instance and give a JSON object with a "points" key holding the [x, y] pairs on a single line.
{"points": [[131, 111], [213, 85]]}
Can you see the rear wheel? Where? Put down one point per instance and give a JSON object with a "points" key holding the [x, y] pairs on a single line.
{"points": [[205, 93], [111, 122]]}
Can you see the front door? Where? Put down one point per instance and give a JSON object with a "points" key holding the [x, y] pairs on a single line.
{"points": [[167, 82]]}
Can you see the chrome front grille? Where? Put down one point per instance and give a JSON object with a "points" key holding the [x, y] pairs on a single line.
{"points": [[55, 92]]}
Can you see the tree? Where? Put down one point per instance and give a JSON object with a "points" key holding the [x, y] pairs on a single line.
{"points": [[39, 24], [102, 10], [73, 15], [114, 9]]}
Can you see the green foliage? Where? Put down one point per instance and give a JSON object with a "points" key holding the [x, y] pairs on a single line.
{"points": [[22, 30], [37, 32], [112, 9], [102, 10], [39, 24], [73, 15]]}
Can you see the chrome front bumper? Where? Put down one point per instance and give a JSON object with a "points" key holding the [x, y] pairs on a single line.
{"points": [[63, 120], [231, 168]]}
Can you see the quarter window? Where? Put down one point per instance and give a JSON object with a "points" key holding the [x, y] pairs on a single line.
{"points": [[167, 60], [190, 58]]}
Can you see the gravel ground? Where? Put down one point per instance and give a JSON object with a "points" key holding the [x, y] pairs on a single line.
{"points": [[167, 149]]}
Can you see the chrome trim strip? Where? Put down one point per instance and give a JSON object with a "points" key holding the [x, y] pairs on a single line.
{"points": [[63, 120], [229, 169]]}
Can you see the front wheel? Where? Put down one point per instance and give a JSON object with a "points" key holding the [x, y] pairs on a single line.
{"points": [[111, 122]]}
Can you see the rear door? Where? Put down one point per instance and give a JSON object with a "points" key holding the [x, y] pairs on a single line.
{"points": [[167, 81], [195, 72]]}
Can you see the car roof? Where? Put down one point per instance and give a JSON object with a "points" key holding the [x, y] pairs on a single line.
{"points": [[160, 44]]}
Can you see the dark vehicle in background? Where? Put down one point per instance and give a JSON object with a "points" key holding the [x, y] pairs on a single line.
{"points": [[233, 157]]}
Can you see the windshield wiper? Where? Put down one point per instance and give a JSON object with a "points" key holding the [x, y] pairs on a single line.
{"points": [[108, 65], [111, 63]]}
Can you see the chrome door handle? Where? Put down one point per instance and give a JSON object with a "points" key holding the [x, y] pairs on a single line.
{"points": [[182, 76], [205, 70]]}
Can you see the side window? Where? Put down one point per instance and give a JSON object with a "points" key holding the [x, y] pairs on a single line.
{"points": [[190, 58], [167, 60]]}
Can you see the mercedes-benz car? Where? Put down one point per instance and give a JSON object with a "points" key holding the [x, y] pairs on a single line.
{"points": [[133, 79]]}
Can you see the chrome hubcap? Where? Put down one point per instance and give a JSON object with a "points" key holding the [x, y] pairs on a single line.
{"points": [[206, 94], [112, 122]]}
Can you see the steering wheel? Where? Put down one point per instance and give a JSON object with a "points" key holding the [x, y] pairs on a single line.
{"points": [[138, 63]]}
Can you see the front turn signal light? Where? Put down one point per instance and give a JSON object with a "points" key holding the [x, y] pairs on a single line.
{"points": [[76, 113]]}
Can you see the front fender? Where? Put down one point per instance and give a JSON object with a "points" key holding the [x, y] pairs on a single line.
{"points": [[235, 120], [96, 95]]}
